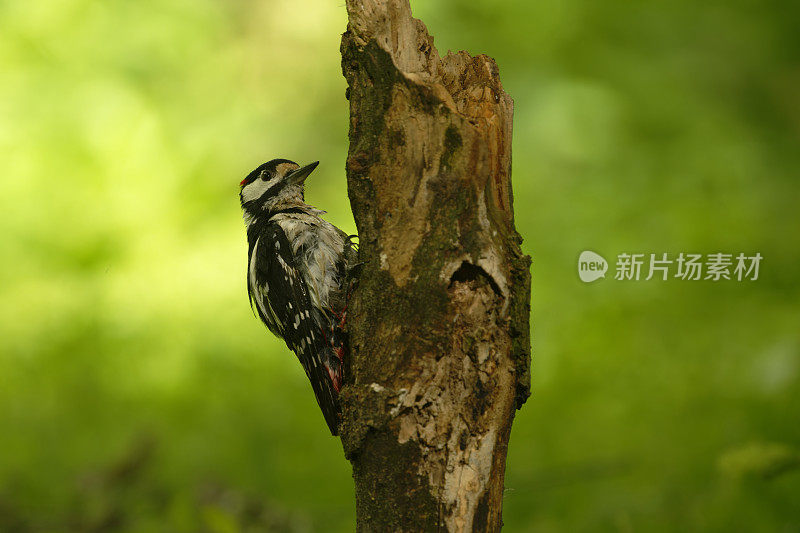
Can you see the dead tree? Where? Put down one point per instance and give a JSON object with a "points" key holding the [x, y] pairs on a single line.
{"points": [[439, 319]]}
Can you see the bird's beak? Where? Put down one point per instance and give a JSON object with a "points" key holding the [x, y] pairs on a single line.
{"points": [[299, 176]]}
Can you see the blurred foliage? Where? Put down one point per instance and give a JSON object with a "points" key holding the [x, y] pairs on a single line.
{"points": [[137, 391], [765, 460]]}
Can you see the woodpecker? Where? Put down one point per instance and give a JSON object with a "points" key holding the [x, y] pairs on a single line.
{"points": [[298, 265]]}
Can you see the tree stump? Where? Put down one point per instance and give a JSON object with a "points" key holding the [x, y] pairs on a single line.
{"points": [[439, 319]]}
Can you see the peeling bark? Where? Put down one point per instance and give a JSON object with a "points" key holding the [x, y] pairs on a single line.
{"points": [[439, 319]]}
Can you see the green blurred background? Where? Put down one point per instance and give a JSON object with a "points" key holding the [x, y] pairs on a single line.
{"points": [[138, 392]]}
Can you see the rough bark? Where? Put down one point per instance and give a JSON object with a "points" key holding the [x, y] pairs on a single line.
{"points": [[439, 319]]}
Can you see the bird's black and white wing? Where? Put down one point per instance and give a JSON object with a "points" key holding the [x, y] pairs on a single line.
{"points": [[281, 298]]}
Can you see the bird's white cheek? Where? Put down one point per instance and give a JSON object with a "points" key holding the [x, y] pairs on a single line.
{"points": [[254, 190]]}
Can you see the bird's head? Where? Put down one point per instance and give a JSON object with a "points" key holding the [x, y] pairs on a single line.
{"points": [[276, 184]]}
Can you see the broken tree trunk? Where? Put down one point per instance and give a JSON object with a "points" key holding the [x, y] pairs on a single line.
{"points": [[439, 320]]}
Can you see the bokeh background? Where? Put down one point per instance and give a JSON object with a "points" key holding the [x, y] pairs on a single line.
{"points": [[138, 392]]}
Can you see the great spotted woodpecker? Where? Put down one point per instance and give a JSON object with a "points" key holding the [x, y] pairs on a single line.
{"points": [[298, 266]]}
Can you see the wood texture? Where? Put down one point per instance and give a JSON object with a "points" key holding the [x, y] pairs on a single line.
{"points": [[439, 320]]}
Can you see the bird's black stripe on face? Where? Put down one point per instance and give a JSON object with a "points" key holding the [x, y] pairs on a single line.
{"points": [[270, 193]]}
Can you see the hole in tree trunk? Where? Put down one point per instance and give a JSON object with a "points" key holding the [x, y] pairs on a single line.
{"points": [[468, 272]]}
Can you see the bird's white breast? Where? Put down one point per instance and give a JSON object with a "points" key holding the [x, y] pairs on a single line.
{"points": [[323, 246]]}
